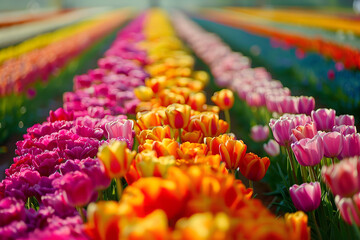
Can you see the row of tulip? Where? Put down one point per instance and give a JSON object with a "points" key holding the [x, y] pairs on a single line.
{"points": [[346, 54], [178, 187], [41, 56], [317, 141]]}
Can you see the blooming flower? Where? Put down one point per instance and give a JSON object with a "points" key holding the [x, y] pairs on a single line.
{"points": [[253, 167], [309, 152], [272, 148], [306, 197]]}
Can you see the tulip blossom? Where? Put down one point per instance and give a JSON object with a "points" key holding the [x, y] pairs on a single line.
{"points": [[272, 148], [343, 178], [324, 119], [333, 144], [306, 131], [253, 167], [197, 101], [306, 197], [281, 131], [344, 129], [347, 120], [178, 115], [224, 99], [121, 131], [298, 223], [309, 152], [349, 209], [143, 93], [116, 158], [232, 153], [259, 133], [208, 123], [78, 188], [213, 143], [351, 146], [306, 105]]}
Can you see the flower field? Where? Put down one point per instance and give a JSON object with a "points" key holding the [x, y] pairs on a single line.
{"points": [[173, 135]]}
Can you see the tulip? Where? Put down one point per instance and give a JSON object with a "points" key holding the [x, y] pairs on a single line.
{"points": [[166, 147], [308, 152], [351, 146], [208, 123], [157, 134], [272, 148], [224, 99], [149, 165], [306, 197], [347, 120], [232, 153], [281, 131], [344, 129], [298, 224], [143, 93], [120, 130], [307, 131], [324, 119], [147, 120], [178, 115], [343, 178], [333, 144], [306, 105], [253, 167], [116, 158], [349, 209], [197, 101], [193, 137], [289, 104], [259, 133]]}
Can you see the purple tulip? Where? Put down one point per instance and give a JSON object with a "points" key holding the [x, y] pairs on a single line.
{"points": [[333, 144], [309, 152], [324, 119], [78, 188], [348, 120], [272, 148], [306, 105], [306, 197], [11, 210], [259, 133], [88, 132], [93, 167]]}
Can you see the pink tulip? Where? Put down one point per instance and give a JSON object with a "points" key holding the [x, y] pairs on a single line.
{"points": [[344, 129], [351, 146], [306, 197], [281, 131], [272, 148], [348, 120], [309, 152], [324, 119], [333, 144], [343, 178], [119, 129], [348, 210], [289, 104], [307, 131], [259, 133], [306, 105]]}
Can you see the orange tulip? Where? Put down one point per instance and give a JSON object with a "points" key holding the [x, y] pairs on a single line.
{"points": [[149, 165], [232, 152], [193, 137], [166, 147], [146, 120], [208, 123], [224, 99], [196, 101], [157, 134], [116, 158], [143, 93], [178, 115], [253, 167], [201, 76], [298, 224], [167, 97], [213, 143], [189, 150], [156, 84]]}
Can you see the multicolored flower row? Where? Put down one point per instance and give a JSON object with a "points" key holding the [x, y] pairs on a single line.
{"points": [[39, 57]]}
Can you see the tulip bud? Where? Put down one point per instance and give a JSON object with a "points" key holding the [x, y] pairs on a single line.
{"points": [[116, 158], [253, 167], [344, 129], [232, 152], [347, 120], [272, 148], [178, 115], [306, 105], [324, 119], [306, 197], [259, 133], [333, 144], [351, 146], [224, 99]]}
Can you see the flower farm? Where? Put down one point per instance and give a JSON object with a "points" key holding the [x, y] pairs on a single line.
{"points": [[170, 125]]}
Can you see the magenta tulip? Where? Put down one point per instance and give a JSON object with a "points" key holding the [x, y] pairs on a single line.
{"points": [[351, 146], [306, 105], [272, 148], [309, 152], [333, 144], [343, 178], [345, 129], [348, 120], [348, 209], [281, 131], [324, 119], [289, 104], [307, 131], [259, 133], [306, 197]]}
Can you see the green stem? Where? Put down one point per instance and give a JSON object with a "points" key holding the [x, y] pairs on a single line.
{"points": [[101, 196], [316, 225], [251, 184], [80, 210], [312, 174], [292, 163], [303, 174], [227, 119], [118, 188], [179, 138]]}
